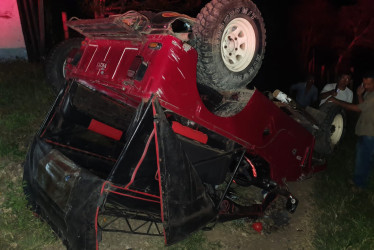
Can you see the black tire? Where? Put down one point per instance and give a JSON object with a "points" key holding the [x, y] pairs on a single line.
{"points": [[332, 129], [216, 66], [55, 62]]}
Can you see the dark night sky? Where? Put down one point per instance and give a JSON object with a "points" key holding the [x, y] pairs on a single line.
{"points": [[278, 65], [281, 66]]}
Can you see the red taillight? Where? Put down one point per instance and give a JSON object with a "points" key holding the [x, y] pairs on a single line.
{"points": [[106, 130], [189, 132]]}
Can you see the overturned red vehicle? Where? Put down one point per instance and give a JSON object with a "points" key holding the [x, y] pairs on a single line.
{"points": [[134, 135]]}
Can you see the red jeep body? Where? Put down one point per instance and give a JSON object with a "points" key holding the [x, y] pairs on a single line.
{"points": [[170, 76]]}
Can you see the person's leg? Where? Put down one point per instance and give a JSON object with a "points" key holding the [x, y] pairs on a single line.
{"points": [[364, 160]]}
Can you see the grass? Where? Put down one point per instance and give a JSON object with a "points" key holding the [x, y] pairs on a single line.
{"points": [[345, 217], [20, 229], [24, 100], [196, 240]]}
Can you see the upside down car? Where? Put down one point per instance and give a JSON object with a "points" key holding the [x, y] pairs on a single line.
{"points": [[156, 120]]}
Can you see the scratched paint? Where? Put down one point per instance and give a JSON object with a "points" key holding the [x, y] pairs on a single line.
{"points": [[12, 44], [159, 92], [174, 56], [172, 52], [180, 71], [187, 47], [176, 44]]}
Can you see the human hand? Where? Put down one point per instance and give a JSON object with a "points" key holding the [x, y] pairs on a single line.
{"points": [[331, 99], [360, 90], [334, 93]]}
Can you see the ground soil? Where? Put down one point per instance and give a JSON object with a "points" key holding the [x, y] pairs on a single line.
{"points": [[281, 230]]}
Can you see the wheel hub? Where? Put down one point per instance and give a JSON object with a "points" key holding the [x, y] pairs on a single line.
{"points": [[336, 129], [238, 44], [231, 46]]}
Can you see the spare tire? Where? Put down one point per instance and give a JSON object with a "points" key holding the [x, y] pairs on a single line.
{"points": [[332, 128], [230, 40], [56, 62]]}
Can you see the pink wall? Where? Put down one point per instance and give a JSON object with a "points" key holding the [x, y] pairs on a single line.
{"points": [[11, 38]]}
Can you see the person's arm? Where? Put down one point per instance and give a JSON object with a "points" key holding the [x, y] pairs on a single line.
{"points": [[346, 105], [328, 90], [327, 94]]}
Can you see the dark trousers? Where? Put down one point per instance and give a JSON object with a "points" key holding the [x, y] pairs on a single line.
{"points": [[364, 160]]}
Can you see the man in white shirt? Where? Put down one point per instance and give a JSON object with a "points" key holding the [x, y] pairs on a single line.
{"points": [[338, 90]]}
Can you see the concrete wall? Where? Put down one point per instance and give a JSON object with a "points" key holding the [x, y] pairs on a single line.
{"points": [[12, 44]]}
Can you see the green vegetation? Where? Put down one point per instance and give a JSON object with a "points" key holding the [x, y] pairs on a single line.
{"points": [[24, 101], [196, 240], [19, 228], [345, 217]]}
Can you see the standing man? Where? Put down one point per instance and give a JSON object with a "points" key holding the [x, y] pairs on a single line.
{"points": [[306, 92], [364, 129], [338, 90]]}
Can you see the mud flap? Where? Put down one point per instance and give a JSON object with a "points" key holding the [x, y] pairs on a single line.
{"points": [[65, 195], [186, 207]]}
